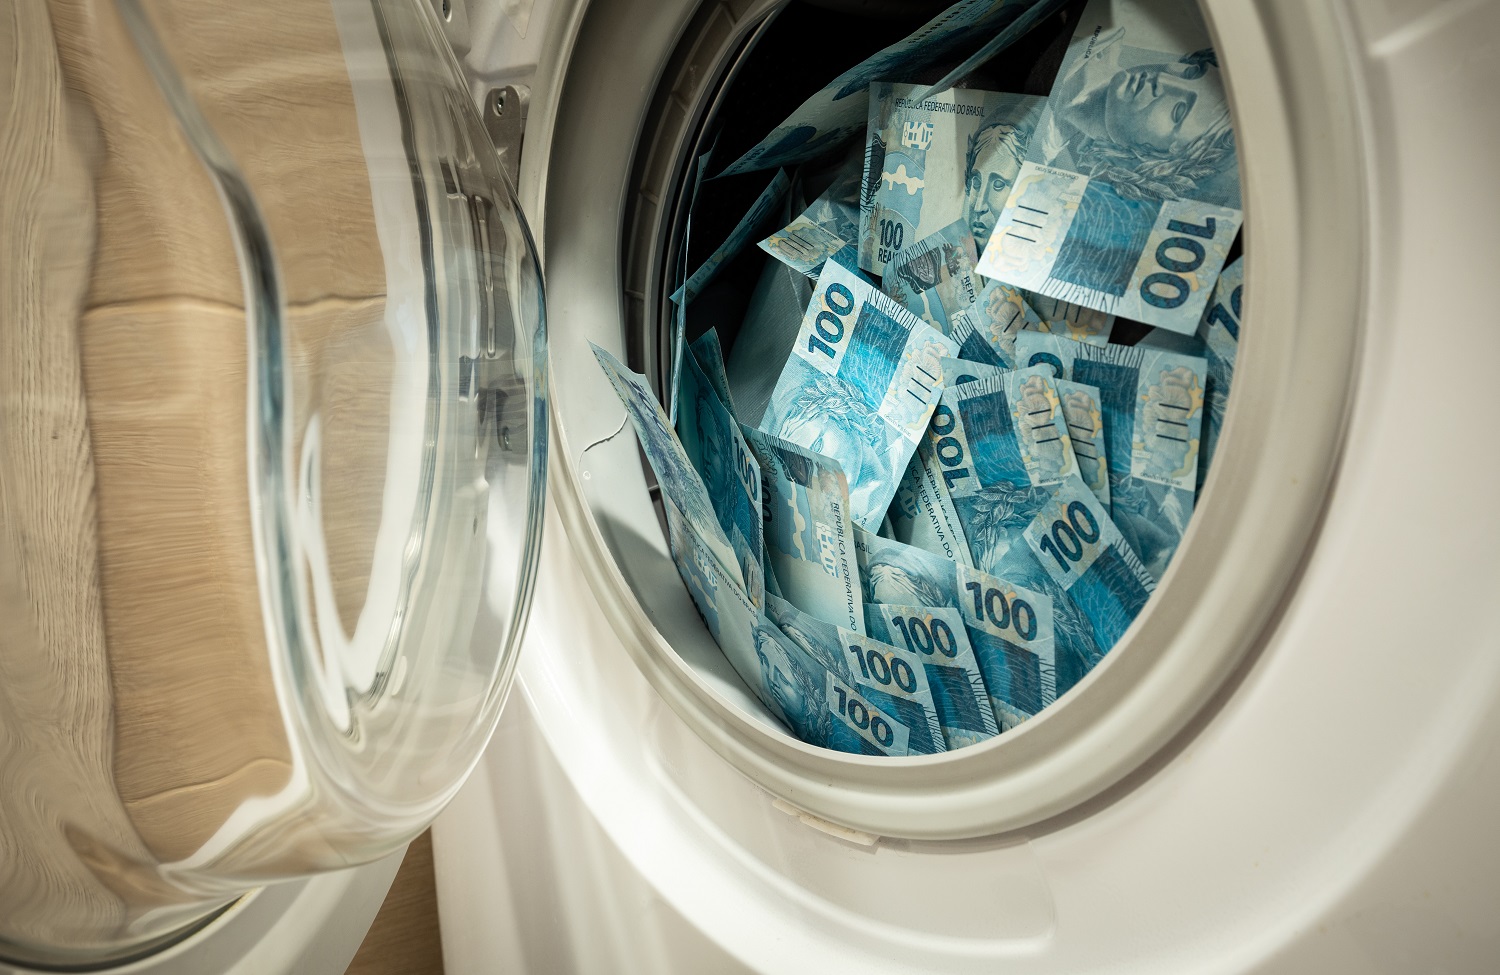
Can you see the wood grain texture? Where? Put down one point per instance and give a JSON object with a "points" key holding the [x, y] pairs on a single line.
{"points": [[55, 697], [405, 938], [198, 728], [163, 348], [137, 708]]}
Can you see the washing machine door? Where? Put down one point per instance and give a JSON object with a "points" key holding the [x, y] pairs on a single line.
{"points": [[272, 453]]}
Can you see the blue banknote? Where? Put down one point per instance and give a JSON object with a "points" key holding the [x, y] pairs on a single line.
{"points": [[808, 534], [793, 685], [1083, 412], [679, 480], [1012, 661], [1153, 418], [934, 278], [859, 387], [1012, 633], [829, 227], [1082, 415], [838, 111], [903, 575], [1001, 445], [1221, 339], [756, 222], [710, 357], [1077, 543], [975, 345], [1065, 318], [1129, 198], [718, 452], [932, 161], [1005, 429], [812, 636], [787, 681], [922, 512], [892, 678], [937, 635], [807, 246], [869, 730], [998, 313]]}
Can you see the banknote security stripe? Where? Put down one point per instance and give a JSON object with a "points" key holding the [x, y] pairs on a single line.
{"points": [[964, 470]]}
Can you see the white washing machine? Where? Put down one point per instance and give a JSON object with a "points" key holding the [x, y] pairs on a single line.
{"points": [[1285, 766], [1288, 764]]}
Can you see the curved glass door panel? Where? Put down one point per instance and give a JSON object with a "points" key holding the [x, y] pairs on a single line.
{"points": [[272, 453]]}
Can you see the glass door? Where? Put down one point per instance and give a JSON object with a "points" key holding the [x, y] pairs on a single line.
{"points": [[273, 447]]}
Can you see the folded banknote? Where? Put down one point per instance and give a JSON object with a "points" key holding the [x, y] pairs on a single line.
{"points": [[890, 677], [923, 513], [1220, 331], [934, 278], [717, 450], [709, 353], [679, 479], [776, 670], [860, 384], [936, 634], [808, 533], [829, 227], [930, 162], [1152, 405], [1129, 197]]}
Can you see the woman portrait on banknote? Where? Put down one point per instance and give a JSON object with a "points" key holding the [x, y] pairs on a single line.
{"points": [[1149, 123]]}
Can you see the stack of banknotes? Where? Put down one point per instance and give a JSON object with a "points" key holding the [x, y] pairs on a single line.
{"points": [[923, 493]]}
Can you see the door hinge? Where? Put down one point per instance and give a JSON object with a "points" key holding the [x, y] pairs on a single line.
{"points": [[505, 120]]}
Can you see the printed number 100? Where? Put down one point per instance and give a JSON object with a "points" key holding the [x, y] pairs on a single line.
{"points": [[859, 713], [1177, 256], [1066, 540], [828, 327]]}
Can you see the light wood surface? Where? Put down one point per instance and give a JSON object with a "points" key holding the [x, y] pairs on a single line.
{"points": [[405, 939], [137, 709], [57, 801], [164, 351]]}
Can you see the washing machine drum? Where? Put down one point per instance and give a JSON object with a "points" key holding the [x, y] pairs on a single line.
{"points": [[272, 455], [717, 81]]}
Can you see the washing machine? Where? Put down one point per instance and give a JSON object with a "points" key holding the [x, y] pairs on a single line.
{"points": [[1284, 766], [1288, 763]]}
